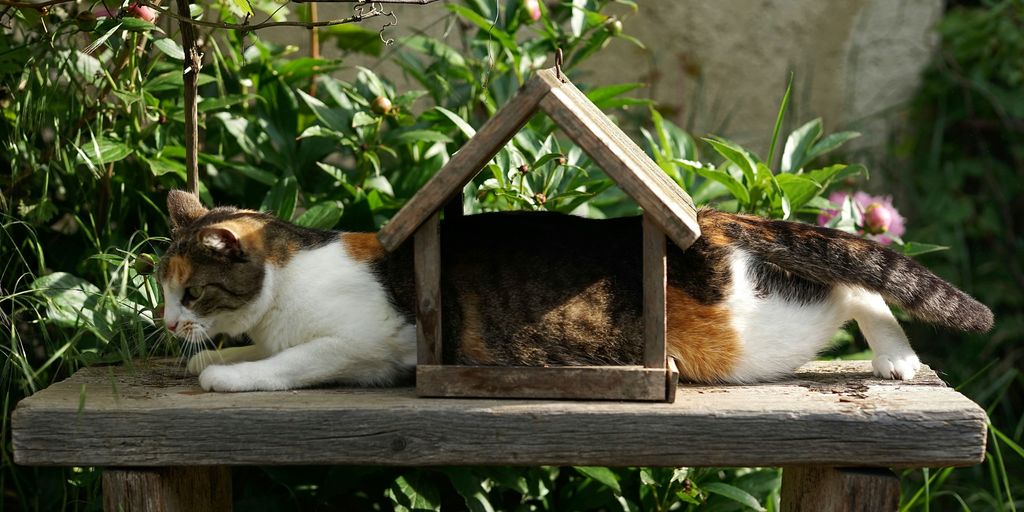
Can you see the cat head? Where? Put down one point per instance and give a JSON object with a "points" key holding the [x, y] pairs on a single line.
{"points": [[214, 273]]}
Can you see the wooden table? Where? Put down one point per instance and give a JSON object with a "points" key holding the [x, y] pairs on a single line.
{"points": [[166, 444]]}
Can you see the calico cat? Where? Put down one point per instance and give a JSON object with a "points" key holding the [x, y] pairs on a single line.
{"points": [[751, 300]]}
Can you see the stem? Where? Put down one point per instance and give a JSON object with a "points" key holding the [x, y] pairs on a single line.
{"points": [[314, 45]]}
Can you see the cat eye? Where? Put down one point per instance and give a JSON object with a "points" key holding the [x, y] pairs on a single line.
{"points": [[195, 292]]}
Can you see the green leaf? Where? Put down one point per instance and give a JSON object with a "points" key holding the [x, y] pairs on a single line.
{"points": [[486, 27], [733, 493], [737, 155], [334, 119], [734, 186], [470, 486], [416, 492], [794, 156], [413, 136], [74, 302], [435, 49], [282, 197], [798, 189], [829, 143], [323, 215], [605, 476], [132, 24], [576, 19], [460, 123], [918, 248], [778, 119], [599, 95], [103, 150], [160, 166], [170, 48], [243, 7], [355, 38], [362, 119]]}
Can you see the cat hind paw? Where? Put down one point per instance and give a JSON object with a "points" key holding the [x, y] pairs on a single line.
{"points": [[901, 367]]}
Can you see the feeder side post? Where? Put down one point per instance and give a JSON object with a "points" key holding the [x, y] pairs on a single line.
{"points": [[427, 263], [654, 294]]}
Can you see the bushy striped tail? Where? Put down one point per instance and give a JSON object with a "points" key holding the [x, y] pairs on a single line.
{"points": [[835, 257]]}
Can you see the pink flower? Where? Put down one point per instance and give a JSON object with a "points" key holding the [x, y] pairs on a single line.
{"points": [[135, 10], [142, 12], [879, 219], [532, 9]]}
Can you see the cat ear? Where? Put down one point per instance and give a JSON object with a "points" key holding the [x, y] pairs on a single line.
{"points": [[184, 208], [221, 240]]}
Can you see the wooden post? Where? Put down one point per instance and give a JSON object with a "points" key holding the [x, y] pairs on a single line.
{"points": [[654, 294], [193, 63], [427, 262], [839, 489], [170, 489]]}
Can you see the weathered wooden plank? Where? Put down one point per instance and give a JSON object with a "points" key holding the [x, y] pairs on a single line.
{"points": [[672, 380], [830, 413], [839, 489], [562, 382], [654, 294], [427, 263], [464, 164], [170, 489], [638, 176]]}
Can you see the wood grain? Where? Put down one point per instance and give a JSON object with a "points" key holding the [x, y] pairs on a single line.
{"points": [[839, 489], [654, 294], [172, 489], [427, 263], [464, 164], [632, 170], [564, 382], [830, 413]]}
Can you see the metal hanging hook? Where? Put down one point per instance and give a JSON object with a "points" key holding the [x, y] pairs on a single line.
{"points": [[558, 64]]}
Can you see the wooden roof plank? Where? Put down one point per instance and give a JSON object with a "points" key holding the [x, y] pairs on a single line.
{"points": [[465, 164], [631, 169], [832, 413]]}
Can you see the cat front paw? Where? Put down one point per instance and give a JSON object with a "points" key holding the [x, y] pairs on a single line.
{"points": [[199, 362], [226, 378], [901, 367]]}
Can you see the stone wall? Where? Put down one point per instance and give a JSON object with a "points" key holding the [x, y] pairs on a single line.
{"points": [[721, 66]]}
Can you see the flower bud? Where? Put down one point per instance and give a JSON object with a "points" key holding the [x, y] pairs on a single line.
{"points": [[145, 264], [380, 105], [877, 218], [532, 9]]}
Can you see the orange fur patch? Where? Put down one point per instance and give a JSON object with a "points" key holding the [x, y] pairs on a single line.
{"points": [[249, 231], [471, 342], [179, 269], [700, 338], [362, 247]]}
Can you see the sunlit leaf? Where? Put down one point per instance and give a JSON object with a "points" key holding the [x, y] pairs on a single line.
{"points": [[733, 493]]}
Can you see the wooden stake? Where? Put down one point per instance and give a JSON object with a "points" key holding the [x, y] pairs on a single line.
{"points": [[193, 63], [169, 489], [839, 489]]}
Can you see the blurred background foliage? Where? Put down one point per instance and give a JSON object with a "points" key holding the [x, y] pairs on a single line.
{"points": [[91, 131]]}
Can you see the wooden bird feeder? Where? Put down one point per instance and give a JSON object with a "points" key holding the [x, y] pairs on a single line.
{"points": [[668, 211]]}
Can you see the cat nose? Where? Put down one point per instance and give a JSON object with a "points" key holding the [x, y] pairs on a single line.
{"points": [[171, 326]]}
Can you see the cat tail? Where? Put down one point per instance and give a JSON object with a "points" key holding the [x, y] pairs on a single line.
{"points": [[831, 256]]}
